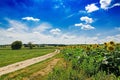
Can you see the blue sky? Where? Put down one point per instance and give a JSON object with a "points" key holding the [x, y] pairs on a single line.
{"points": [[59, 21]]}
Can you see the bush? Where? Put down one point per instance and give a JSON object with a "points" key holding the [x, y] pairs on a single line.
{"points": [[16, 45], [30, 45]]}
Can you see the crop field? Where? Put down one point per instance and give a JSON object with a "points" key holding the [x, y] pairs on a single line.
{"points": [[89, 62], [77, 62], [8, 56]]}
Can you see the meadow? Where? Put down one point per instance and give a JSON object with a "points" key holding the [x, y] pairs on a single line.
{"points": [[30, 72], [8, 56]]}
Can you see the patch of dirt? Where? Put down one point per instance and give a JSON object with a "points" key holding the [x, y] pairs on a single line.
{"points": [[47, 69]]}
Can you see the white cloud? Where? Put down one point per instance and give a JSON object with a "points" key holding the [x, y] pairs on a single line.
{"points": [[85, 26], [42, 27], [114, 5], [91, 8], [106, 4], [86, 19], [16, 26], [27, 34], [30, 19], [55, 31], [115, 38]]}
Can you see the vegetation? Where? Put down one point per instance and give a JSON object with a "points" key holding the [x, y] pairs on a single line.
{"points": [[8, 56], [30, 45], [89, 62], [80, 62], [16, 45], [28, 72]]}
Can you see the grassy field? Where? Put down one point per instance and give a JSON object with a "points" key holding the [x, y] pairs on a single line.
{"points": [[27, 73], [8, 56]]}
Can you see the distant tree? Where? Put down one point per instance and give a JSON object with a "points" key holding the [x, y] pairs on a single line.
{"points": [[16, 45], [25, 45], [30, 45]]}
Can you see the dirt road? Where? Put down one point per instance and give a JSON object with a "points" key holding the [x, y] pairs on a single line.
{"points": [[23, 64]]}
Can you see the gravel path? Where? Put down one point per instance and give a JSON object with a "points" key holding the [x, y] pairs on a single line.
{"points": [[23, 64]]}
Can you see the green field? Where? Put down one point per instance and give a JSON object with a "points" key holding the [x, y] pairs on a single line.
{"points": [[26, 73], [8, 56]]}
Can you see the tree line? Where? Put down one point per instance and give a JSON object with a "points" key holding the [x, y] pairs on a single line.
{"points": [[16, 45]]}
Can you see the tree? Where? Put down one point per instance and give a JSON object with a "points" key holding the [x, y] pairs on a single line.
{"points": [[16, 45], [30, 45]]}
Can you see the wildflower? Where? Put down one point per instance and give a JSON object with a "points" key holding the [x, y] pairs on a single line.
{"points": [[110, 48], [88, 48], [112, 43], [97, 45], [105, 44]]}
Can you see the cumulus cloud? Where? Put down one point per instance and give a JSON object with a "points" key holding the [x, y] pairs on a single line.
{"points": [[30, 19], [86, 19], [85, 26], [20, 31], [55, 31], [106, 4], [91, 8]]}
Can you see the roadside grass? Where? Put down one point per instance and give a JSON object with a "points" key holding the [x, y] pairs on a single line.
{"points": [[8, 56], [26, 73], [63, 71]]}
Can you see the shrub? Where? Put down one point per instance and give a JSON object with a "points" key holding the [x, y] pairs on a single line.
{"points": [[16, 45], [30, 45]]}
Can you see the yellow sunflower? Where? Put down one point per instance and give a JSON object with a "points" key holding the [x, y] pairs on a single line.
{"points": [[87, 48], [110, 48], [112, 43]]}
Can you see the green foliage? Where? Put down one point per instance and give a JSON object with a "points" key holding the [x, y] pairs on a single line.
{"points": [[93, 64], [30, 45], [16, 45]]}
